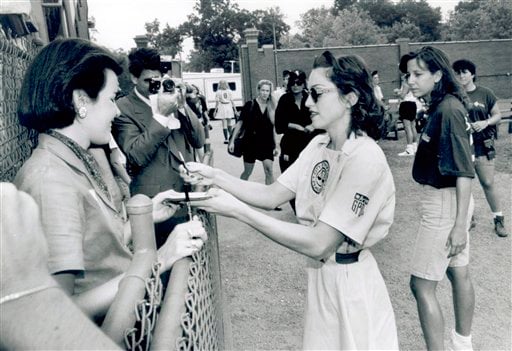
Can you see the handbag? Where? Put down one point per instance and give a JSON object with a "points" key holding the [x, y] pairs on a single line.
{"points": [[237, 137]]}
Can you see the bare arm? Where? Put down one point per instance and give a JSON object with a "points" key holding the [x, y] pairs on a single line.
{"points": [[457, 240], [493, 120], [252, 193], [318, 242]]}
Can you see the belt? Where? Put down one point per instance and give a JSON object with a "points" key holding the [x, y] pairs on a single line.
{"points": [[347, 258]]}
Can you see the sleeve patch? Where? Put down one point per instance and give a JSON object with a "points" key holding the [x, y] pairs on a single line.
{"points": [[359, 204]]}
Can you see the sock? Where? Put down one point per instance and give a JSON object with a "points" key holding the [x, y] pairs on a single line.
{"points": [[461, 342], [496, 214]]}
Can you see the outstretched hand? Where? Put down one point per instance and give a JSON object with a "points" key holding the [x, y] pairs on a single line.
{"points": [[162, 212], [197, 174], [220, 202]]}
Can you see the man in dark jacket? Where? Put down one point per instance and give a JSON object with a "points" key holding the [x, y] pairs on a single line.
{"points": [[153, 129]]}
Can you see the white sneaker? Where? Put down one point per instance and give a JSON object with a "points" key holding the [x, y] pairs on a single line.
{"points": [[409, 151], [459, 343]]}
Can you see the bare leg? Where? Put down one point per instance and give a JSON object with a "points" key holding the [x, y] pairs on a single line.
{"points": [[485, 172], [268, 169], [463, 298], [248, 167], [429, 311]]}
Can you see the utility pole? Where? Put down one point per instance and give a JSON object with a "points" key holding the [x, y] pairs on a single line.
{"points": [[275, 48]]}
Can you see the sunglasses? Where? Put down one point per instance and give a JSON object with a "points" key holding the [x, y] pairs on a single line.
{"points": [[298, 82], [317, 92]]}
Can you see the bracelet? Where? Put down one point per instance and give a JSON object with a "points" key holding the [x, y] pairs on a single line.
{"points": [[19, 295]]}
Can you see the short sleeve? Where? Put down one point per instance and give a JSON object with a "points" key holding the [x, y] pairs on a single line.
{"points": [[454, 147], [363, 196], [63, 220]]}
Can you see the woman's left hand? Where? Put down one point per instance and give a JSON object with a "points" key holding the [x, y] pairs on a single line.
{"points": [[162, 212], [219, 202], [457, 240], [479, 126]]}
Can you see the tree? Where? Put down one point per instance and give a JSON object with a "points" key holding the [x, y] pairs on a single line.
{"points": [[403, 29], [422, 15], [320, 28], [342, 4], [480, 20], [214, 30], [168, 41], [268, 21]]}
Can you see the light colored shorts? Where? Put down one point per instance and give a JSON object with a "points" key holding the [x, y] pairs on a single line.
{"points": [[438, 212]]}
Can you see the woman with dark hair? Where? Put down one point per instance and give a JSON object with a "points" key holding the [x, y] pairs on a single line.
{"points": [[345, 201], [292, 119], [443, 166], [68, 96]]}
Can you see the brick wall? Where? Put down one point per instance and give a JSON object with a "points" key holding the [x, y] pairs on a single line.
{"points": [[492, 57]]}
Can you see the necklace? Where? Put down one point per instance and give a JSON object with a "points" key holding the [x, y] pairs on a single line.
{"points": [[87, 159]]}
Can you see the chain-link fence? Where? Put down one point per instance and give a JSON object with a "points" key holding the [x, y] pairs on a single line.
{"points": [[196, 290], [16, 142]]}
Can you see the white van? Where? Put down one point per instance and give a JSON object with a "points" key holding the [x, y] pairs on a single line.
{"points": [[208, 83]]}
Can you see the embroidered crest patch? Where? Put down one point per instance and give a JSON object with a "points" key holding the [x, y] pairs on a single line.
{"points": [[319, 176], [359, 204]]}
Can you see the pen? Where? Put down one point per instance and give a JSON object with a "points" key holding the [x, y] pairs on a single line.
{"points": [[186, 188]]}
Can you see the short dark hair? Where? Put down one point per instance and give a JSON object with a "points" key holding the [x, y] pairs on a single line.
{"points": [[143, 58], [286, 73], [296, 76], [350, 74], [64, 65], [374, 73], [464, 65]]}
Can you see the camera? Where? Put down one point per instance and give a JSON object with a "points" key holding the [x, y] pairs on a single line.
{"points": [[168, 85], [489, 149], [154, 86]]}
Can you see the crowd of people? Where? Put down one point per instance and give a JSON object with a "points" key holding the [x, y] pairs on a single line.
{"points": [[324, 129]]}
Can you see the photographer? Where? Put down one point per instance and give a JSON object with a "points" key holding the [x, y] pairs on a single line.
{"points": [[155, 125]]}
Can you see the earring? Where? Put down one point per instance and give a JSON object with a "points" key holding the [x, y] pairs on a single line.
{"points": [[82, 112]]}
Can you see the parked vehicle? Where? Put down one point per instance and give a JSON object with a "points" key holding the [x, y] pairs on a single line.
{"points": [[208, 83]]}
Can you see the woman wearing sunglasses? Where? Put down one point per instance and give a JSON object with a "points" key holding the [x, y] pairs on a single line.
{"points": [[293, 121], [345, 201]]}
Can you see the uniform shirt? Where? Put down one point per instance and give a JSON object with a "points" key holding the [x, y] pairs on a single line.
{"points": [[83, 229], [482, 102], [351, 190], [444, 151]]}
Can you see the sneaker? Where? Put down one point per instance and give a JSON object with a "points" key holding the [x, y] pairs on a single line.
{"points": [[499, 226], [409, 151], [226, 141], [459, 343]]}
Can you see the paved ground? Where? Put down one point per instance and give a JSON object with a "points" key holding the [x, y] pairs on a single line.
{"points": [[264, 284]]}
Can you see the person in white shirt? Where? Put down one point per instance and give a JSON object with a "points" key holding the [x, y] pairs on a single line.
{"points": [[345, 200]]}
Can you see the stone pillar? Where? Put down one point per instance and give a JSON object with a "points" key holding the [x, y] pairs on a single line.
{"points": [[250, 57], [141, 41]]}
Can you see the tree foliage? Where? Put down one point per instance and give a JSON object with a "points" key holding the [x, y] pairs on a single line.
{"points": [[476, 20], [168, 41], [217, 26]]}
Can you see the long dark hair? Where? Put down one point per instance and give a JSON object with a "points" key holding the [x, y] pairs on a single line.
{"points": [[350, 74], [437, 60]]}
